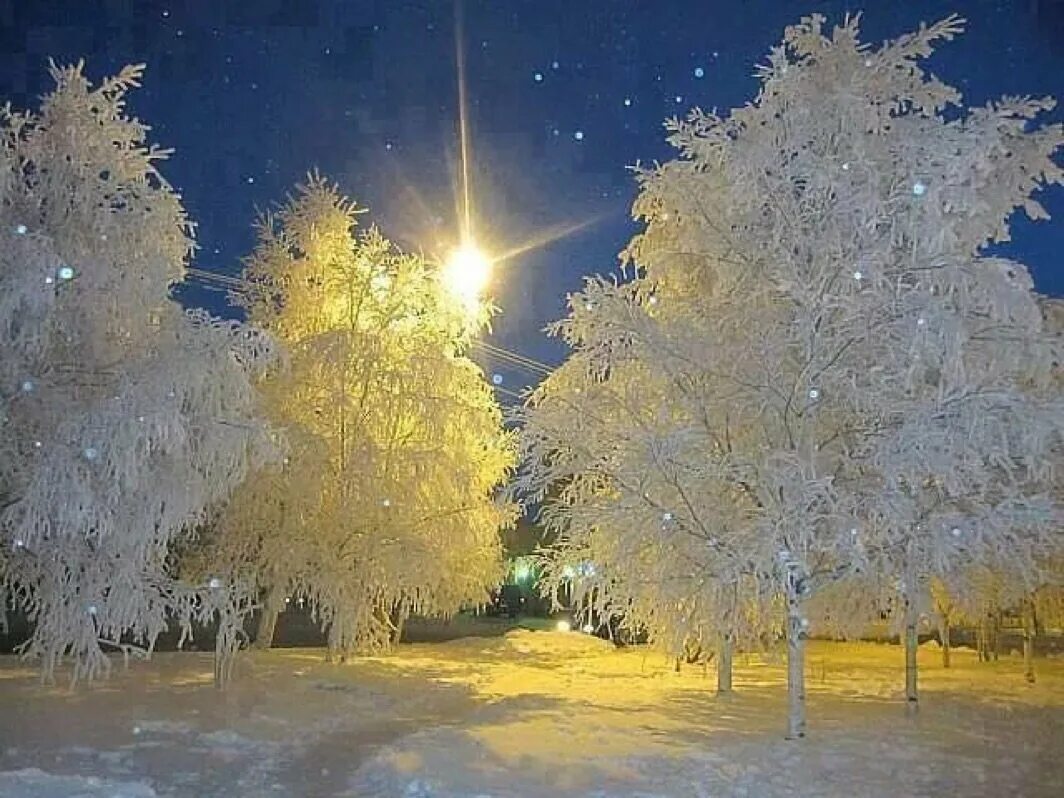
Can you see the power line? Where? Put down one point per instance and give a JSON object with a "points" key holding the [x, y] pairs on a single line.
{"points": [[215, 281], [225, 279], [508, 392], [513, 358]]}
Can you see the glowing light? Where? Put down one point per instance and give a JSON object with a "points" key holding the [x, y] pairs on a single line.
{"points": [[522, 571], [588, 628], [919, 188], [568, 572], [91, 453], [496, 379], [21, 229], [27, 386], [699, 72], [215, 583], [66, 273], [563, 626], [466, 273], [814, 393]]}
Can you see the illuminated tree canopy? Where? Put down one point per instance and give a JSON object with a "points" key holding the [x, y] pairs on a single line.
{"points": [[386, 503]]}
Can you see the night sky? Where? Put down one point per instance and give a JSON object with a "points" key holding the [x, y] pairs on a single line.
{"points": [[564, 96]]}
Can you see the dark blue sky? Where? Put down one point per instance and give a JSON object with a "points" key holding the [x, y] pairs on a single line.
{"points": [[254, 94]]}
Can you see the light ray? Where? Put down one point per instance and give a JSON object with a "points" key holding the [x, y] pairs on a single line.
{"points": [[547, 237], [460, 260], [466, 211]]}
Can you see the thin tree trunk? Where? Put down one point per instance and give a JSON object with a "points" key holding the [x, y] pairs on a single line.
{"points": [[996, 634], [944, 635], [984, 637], [1028, 640], [268, 619], [911, 645], [398, 623], [724, 664], [795, 663]]}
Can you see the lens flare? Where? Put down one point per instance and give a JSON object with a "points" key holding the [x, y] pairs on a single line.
{"points": [[466, 273]]}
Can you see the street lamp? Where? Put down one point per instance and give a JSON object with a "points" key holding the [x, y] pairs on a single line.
{"points": [[466, 273]]}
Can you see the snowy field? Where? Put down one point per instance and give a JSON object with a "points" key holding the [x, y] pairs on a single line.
{"points": [[533, 714]]}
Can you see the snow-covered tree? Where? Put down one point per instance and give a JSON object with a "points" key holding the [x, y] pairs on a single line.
{"points": [[835, 383], [386, 504], [648, 539], [123, 419]]}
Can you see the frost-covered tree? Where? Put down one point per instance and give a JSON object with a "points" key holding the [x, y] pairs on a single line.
{"points": [[648, 538], [823, 346], [123, 419], [386, 504]]}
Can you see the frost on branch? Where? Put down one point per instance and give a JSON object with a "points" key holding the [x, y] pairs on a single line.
{"points": [[386, 504], [123, 418], [818, 384]]}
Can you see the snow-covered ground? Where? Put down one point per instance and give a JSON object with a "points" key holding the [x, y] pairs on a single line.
{"points": [[532, 714]]}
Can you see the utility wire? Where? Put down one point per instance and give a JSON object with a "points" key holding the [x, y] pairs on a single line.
{"points": [[513, 358], [508, 392], [215, 281]]}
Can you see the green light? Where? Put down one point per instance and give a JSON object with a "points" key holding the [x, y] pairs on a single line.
{"points": [[522, 571]]}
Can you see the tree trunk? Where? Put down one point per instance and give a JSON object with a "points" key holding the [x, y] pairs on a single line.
{"points": [[984, 637], [398, 623], [944, 636], [911, 645], [724, 665], [268, 619], [1028, 640], [332, 650], [996, 634], [795, 663]]}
